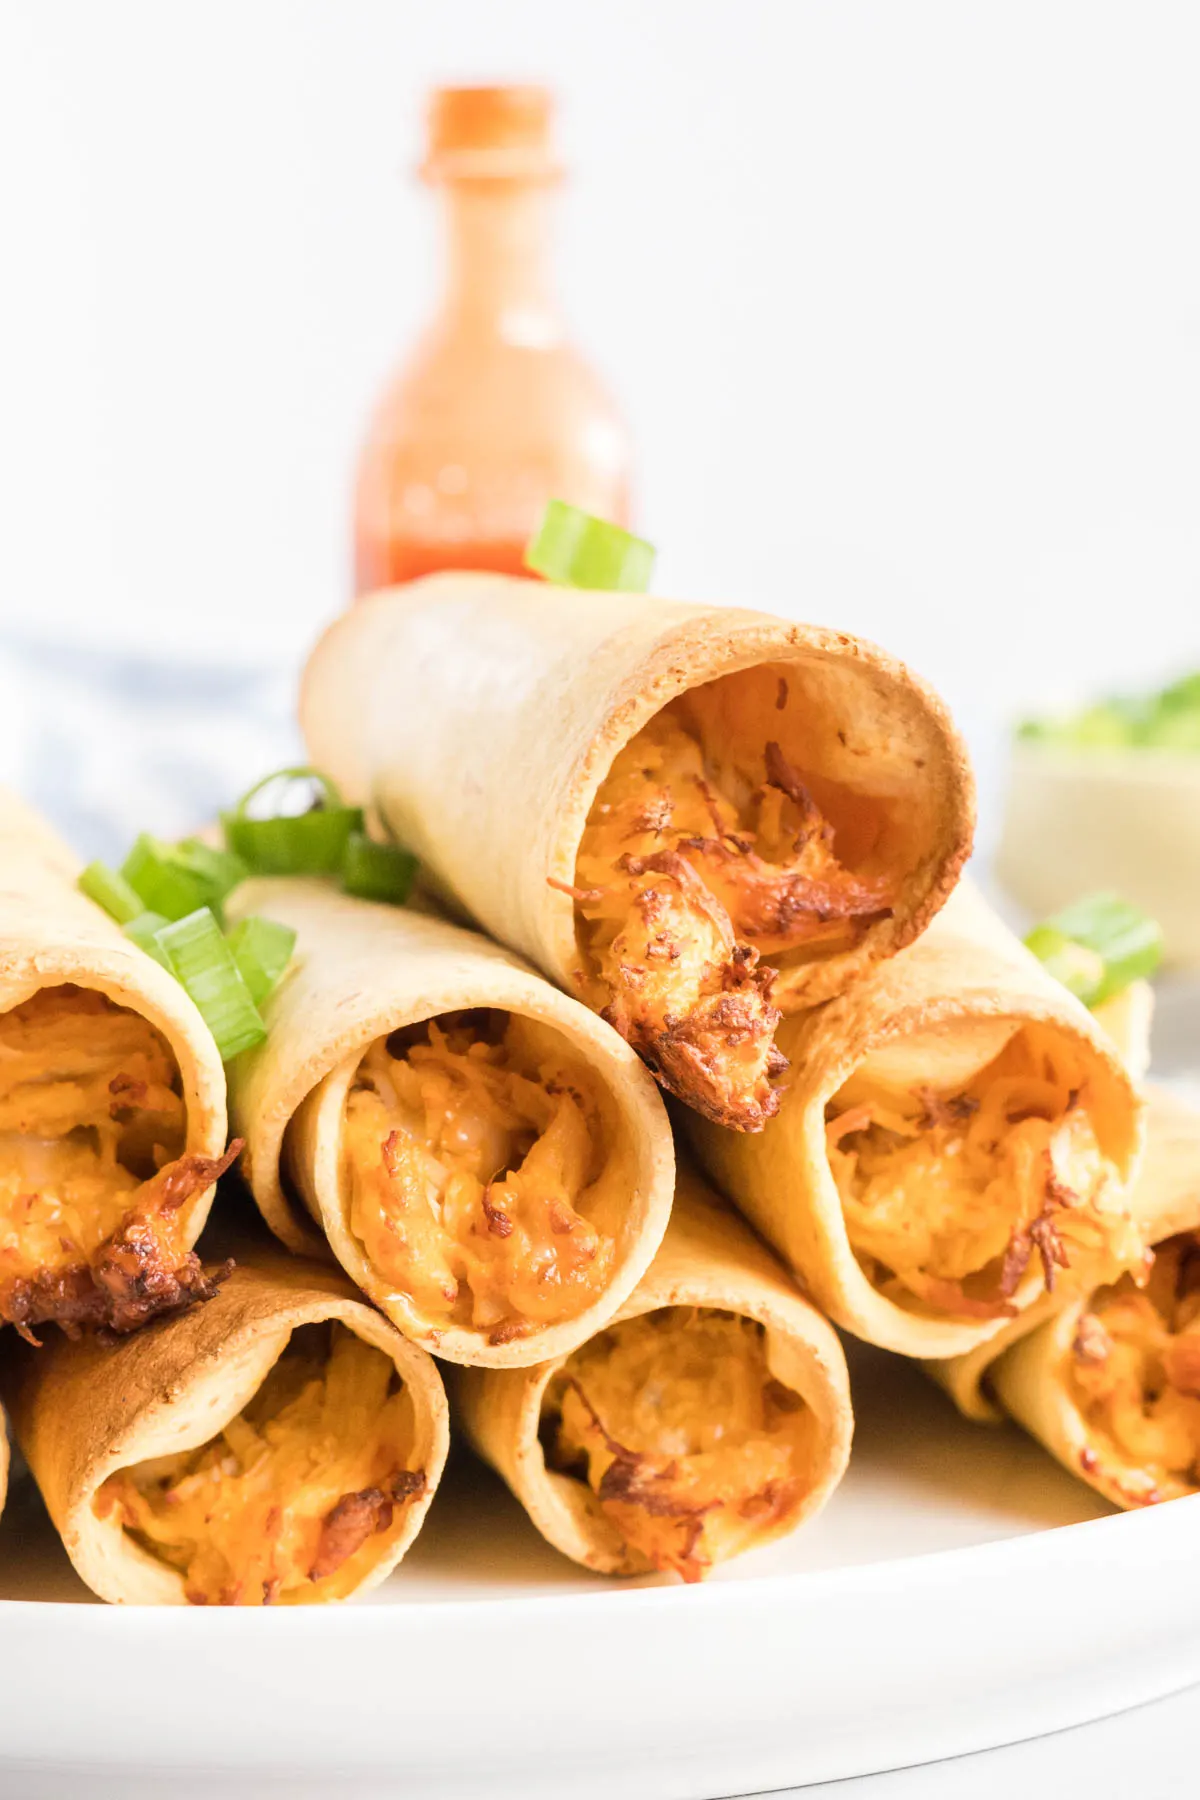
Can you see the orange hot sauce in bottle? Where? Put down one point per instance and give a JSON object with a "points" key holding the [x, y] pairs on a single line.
{"points": [[495, 412]]}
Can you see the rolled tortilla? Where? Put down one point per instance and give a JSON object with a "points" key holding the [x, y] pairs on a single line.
{"points": [[1111, 1383], [693, 816], [279, 1445], [957, 1137], [498, 1183], [112, 1105], [712, 1415]]}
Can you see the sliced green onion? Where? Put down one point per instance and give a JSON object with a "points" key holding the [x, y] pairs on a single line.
{"points": [[578, 550], [220, 868], [1182, 695], [310, 843], [307, 843], [1168, 720], [167, 880], [111, 891], [328, 792], [143, 932], [262, 949], [374, 871], [1175, 730], [203, 964], [1127, 943], [1077, 967]]}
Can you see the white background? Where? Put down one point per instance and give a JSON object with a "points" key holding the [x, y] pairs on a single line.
{"points": [[902, 300]]}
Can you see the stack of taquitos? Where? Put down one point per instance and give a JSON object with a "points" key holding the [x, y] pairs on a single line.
{"points": [[720, 832], [112, 1105], [693, 817]]}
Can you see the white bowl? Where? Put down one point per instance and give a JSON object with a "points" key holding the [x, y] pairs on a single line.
{"points": [[1076, 821]]}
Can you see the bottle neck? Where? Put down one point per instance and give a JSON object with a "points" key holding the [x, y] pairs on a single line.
{"points": [[498, 258]]}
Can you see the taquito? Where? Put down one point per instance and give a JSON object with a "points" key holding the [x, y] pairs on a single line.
{"points": [[486, 1159], [1111, 1384], [112, 1105], [711, 1416], [278, 1446], [1126, 1019], [694, 817], [956, 1139]]}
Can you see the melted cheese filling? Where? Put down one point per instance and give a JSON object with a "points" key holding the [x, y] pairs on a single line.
{"points": [[298, 1497], [688, 873], [1134, 1372], [950, 1200], [477, 1176], [90, 1112], [693, 1448]]}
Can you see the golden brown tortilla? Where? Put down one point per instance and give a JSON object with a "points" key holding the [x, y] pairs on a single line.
{"points": [[84, 1411], [708, 1261], [361, 972], [59, 949], [929, 1022], [480, 718]]}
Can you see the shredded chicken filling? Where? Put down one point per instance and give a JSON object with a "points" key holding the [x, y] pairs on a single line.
{"points": [[1135, 1374], [950, 1200], [681, 888], [478, 1182], [693, 1448], [297, 1497], [92, 1175]]}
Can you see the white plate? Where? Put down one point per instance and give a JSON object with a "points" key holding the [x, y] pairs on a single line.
{"points": [[960, 1591]]}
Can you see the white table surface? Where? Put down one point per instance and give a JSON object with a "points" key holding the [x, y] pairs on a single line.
{"points": [[1149, 1753]]}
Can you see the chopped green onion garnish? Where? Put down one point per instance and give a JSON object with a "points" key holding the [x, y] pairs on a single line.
{"points": [[1168, 720], [262, 949], [328, 792], [143, 932], [307, 843], [1077, 967], [1098, 946], [203, 963], [377, 871], [167, 878], [577, 550], [220, 868], [111, 891]]}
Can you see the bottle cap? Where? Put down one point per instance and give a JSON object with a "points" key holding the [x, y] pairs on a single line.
{"points": [[490, 133]]}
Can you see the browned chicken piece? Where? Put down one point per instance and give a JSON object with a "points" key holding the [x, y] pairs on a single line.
{"points": [[1135, 1372], [93, 1171], [278, 1505], [680, 892], [692, 1447], [950, 1199]]}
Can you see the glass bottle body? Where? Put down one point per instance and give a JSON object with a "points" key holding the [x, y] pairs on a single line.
{"points": [[494, 413]]}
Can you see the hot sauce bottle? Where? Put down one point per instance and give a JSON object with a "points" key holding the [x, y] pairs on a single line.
{"points": [[495, 412]]}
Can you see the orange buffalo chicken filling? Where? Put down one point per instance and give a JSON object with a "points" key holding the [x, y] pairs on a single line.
{"points": [[951, 1200], [688, 875], [92, 1171], [693, 1448], [1134, 1372], [300, 1494], [478, 1182]]}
